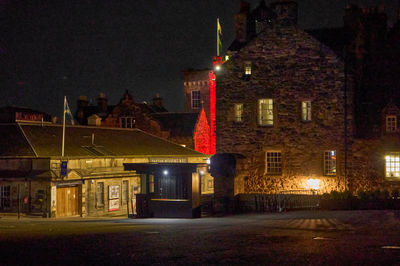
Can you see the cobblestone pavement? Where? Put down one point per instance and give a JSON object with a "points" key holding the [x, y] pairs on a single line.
{"points": [[302, 237]]}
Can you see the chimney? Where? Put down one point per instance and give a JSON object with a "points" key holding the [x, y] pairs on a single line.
{"points": [[82, 102], [157, 101], [102, 103], [286, 12], [241, 24]]}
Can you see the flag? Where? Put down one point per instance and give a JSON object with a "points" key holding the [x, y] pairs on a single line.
{"points": [[219, 37], [67, 111]]}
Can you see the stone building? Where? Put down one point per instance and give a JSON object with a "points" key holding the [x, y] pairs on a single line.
{"points": [[290, 112], [105, 171]]}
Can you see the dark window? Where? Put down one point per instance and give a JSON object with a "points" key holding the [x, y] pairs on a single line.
{"points": [[125, 190], [330, 163], [100, 194], [5, 197], [196, 102], [274, 162]]}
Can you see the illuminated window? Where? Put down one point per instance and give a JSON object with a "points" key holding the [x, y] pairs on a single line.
{"points": [[306, 110], [5, 197], [273, 162], [330, 163], [151, 183], [391, 123], [265, 112], [196, 103], [127, 122], [247, 69], [100, 194], [238, 112], [392, 167]]}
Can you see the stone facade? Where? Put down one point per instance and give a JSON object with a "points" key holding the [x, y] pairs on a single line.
{"points": [[288, 66], [350, 103]]}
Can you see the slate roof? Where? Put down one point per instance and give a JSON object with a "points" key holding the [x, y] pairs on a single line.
{"points": [[178, 124], [35, 140]]}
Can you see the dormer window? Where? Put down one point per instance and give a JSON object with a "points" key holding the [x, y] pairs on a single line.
{"points": [[391, 123], [247, 68]]}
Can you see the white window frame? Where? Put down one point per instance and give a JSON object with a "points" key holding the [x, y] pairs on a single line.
{"points": [[306, 111], [196, 102], [127, 122], [330, 163], [273, 162], [392, 165], [238, 107], [266, 112], [391, 123]]}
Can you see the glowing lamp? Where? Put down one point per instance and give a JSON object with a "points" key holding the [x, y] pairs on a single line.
{"points": [[217, 68], [208, 161], [165, 172], [202, 172], [313, 183]]}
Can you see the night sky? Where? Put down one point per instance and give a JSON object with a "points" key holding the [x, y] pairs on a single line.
{"points": [[49, 49]]}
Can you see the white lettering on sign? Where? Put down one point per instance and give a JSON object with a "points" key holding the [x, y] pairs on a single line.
{"points": [[167, 160]]}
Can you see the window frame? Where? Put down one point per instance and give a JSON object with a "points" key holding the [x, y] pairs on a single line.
{"points": [[270, 164], [394, 164], [269, 121], [100, 194], [328, 160], [306, 111], [248, 69], [5, 197], [391, 125], [238, 112], [195, 103]]}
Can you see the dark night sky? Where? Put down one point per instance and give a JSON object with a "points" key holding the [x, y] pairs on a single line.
{"points": [[49, 49]]}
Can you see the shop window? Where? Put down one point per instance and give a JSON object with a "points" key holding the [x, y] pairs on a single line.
{"points": [[391, 123], [238, 112], [100, 194], [265, 112], [273, 162], [306, 110], [196, 101], [151, 183], [5, 197], [392, 166], [330, 162]]}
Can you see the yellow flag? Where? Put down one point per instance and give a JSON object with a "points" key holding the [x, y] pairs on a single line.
{"points": [[219, 37]]}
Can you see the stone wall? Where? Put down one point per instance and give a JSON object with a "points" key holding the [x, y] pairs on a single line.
{"points": [[289, 66]]}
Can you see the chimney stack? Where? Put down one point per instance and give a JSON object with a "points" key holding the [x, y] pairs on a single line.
{"points": [[102, 103], [241, 22], [286, 12]]}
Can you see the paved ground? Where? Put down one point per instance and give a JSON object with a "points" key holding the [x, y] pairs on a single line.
{"points": [[306, 237]]}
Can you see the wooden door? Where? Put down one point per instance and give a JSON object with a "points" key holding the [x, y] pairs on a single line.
{"points": [[67, 201]]}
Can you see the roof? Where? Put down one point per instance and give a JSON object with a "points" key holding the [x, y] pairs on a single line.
{"points": [[35, 140], [178, 124]]}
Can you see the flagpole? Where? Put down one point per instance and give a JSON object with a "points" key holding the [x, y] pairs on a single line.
{"points": [[217, 36], [63, 135]]}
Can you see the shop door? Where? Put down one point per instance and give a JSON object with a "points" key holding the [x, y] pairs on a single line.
{"points": [[67, 201]]}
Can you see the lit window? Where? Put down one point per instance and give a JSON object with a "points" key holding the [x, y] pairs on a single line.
{"points": [[306, 110], [265, 112], [196, 103], [392, 166], [238, 112], [100, 194], [330, 163], [151, 183], [273, 162], [127, 122], [247, 69], [391, 123]]}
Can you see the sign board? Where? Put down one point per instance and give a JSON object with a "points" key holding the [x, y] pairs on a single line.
{"points": [[167, 160], [63, 169], [113, 192], [113, 205]]}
